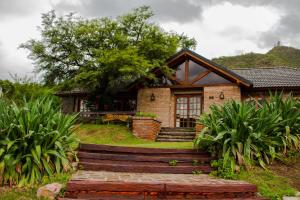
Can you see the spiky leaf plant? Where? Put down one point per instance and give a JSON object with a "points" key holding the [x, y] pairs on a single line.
{"points": [[35, 140], [243, 134]]}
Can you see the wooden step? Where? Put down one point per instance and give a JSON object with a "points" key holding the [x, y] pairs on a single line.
{"points": [[146, 168], [142, 198], [91, 189], [141, 163], [145, 157], [150, 160], [136, 150]]}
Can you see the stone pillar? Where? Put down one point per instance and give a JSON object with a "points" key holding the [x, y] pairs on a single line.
{"points": [[145, 127]]}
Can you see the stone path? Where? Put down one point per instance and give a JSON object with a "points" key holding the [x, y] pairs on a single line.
{"points": [[201, 179]]}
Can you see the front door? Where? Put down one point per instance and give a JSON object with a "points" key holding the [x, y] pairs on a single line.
{"points": [[188, 110]]}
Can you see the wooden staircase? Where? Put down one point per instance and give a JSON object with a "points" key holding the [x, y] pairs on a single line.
{"points": [[147, 160], [127, 173], [176, 135]]}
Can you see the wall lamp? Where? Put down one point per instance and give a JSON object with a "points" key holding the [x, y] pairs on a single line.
{"points": [[222, 95], [152, 97]]}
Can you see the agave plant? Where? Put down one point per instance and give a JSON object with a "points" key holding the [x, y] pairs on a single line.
{"points": [[242, 134], [35, 140]]}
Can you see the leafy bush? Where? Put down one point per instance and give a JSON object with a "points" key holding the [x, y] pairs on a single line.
{"points": [[20, 89], [35, 140], [243, 134], [223, 171], [146, 114]]}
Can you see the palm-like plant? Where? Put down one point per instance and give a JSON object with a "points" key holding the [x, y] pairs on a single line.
{"points": [[35, 140], [244, 134]]}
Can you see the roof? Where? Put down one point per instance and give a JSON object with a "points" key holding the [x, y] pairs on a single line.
{"points": [[275, 77], [73, 92], [221, 69]]}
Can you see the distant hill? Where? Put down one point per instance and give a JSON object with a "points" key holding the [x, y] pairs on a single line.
{"points": [[278, 56]]}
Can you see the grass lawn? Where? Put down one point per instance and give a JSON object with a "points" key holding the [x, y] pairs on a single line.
{"points": [[16, 193], [269, 184], [122, 136]]}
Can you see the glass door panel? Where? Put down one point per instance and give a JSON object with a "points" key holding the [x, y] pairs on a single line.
{"points": [[188, 110]]}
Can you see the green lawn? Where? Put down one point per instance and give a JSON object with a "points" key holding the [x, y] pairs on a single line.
{"points": [[269, 184], [16, 193], [122, 136]]}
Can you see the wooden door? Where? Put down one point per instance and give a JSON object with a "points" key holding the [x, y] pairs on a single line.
{"points": [[188, 110]]}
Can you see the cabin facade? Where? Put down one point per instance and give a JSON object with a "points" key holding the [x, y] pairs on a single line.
{"points": [[196, 83]]}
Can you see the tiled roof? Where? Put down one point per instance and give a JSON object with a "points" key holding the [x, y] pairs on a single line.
{"points": [[278, 77]]}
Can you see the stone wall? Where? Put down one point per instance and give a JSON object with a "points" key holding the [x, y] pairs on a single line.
{"points": [[145, 127], [212, 95], [161, 106]]}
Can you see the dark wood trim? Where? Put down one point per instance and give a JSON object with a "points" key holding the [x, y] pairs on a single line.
{"points": [[219, 70], [194, 86], [188, 103], [186, 71], [215, 69], [188, 92], [200, 76]]}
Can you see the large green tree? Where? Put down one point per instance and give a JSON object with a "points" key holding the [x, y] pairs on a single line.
{"points": [[101, 54]]}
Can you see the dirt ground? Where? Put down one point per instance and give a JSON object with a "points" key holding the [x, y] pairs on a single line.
{"points": [[290, 171]]}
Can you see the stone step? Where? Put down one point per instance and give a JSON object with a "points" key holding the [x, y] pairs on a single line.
{"points": [[173, 140], [175, 137], [177, 133], [167, 129]]}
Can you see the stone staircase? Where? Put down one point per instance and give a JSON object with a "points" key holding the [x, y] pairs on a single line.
{"points": [[167, 134]]}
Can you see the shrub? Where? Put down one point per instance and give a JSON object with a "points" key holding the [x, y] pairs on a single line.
{"points": [[35, 140], [20, 89], [242, 134], [146, 114]]}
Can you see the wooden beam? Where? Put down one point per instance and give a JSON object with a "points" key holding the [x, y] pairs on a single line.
{"points": [[200, 76], [217, 69], [186, 80]]}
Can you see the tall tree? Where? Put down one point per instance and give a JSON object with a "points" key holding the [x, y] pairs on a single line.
{"points": [[100, 54]]}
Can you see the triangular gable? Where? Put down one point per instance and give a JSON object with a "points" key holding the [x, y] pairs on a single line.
{"points": [[204, 71]]}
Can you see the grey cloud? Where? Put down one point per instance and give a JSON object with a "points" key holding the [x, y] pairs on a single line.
{"points": [[17, 7], [287, 30], [166, 10], [186, 11]]}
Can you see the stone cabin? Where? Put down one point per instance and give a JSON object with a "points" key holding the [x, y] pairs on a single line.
{"points": [[197, 82]]}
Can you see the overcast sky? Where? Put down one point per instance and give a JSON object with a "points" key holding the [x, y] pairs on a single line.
{"points": [[221, 27]]}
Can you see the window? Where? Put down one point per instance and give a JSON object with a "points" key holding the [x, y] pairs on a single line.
{"points": [[211, 78], [195, 69], [180, 72], [196, 74]]}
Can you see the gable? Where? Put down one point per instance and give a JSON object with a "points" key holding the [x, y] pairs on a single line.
{"points": [[193, 69], [192, 73]]}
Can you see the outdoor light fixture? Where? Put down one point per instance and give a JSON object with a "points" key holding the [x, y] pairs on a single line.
{"points": [[152, 98], [222, 95]]}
